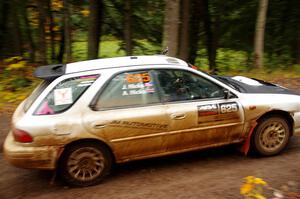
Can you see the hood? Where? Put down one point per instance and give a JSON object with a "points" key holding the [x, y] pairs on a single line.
{"points": [[252, 85]]}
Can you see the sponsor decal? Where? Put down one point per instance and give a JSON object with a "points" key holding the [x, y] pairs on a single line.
{"points": [[208, 109], [214, 109], [137, 84], [137, 78], [86, 80], [218, 113], [63, 96], [140, 125], [228, 107]]}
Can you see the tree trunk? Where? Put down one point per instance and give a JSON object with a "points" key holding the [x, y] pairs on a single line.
{"points": [[297, 51], [259, 34], [4, 27], [42, 33], [128, 27], [94, 30], [196, 16], [296, 46], [67, 31], [52, 34], [171, 27], [211, 39], [61, 51], [13, 35], [28, 31], [184, 31], [295, 41]]}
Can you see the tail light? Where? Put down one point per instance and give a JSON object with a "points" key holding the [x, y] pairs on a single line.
{"points": [[22, 136]]}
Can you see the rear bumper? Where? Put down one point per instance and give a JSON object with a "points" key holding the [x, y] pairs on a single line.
{"points": [[23, 156]]}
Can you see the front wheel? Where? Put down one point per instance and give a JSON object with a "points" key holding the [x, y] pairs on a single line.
{"points": [[271, 136], [85, 164]]}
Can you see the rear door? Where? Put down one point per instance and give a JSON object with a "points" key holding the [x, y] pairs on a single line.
{"points": [[129, 115], [198, 113]]}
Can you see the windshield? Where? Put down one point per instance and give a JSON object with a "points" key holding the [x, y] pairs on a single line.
{"points": [[36, 92], [225, 80]]}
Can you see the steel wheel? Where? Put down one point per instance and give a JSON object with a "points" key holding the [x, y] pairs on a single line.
{"points": [[85, 164], [271, 136]]}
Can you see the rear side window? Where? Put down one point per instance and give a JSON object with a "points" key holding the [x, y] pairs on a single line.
{"points": [[37, 91], [128, 89], [65, 94]]}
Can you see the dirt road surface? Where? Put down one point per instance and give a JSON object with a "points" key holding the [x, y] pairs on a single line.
{"points": [[214, 173]]}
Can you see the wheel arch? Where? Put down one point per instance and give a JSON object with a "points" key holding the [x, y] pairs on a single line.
{"points": [[87, 140], [284, 114]]}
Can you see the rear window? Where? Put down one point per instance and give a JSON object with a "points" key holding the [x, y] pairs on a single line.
{"points": [[65, 94], [36, 92]]}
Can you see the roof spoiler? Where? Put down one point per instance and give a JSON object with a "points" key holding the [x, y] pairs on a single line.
{"points": [[50, 72]]}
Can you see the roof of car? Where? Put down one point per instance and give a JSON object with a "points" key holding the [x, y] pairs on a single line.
{"points": [[53, 71], [123, 62]]}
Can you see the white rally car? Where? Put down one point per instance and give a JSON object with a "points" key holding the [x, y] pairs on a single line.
{"points": [[85, 116]]}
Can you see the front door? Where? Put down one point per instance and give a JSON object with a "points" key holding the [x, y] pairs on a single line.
{"points": [[198, 113]]}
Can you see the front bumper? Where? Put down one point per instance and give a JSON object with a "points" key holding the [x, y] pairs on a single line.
{"points": [[32, 157]]}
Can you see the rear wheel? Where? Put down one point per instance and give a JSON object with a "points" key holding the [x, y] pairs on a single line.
{"points": [[85, 164], [271, 136]]}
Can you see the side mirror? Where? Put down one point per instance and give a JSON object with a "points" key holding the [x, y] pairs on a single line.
{"points": [[227, 94]]}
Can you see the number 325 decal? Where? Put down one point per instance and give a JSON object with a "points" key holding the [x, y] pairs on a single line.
{"points": [[228, 107]]}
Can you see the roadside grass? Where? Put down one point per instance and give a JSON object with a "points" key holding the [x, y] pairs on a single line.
{"points": [[107, 49], [266, 74]]}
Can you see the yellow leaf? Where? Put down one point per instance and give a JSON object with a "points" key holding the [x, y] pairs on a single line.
{"points": [[246, 188], [57, 5], [21, 97], [17, 65], [15, 58], [259, 181], [258, 196], [56, 28], [85, 12], [249, 179]]}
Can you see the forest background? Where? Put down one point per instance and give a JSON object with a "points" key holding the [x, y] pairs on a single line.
{"points": [[257, 38]]}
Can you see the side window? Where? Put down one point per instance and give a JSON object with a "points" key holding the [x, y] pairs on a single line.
{"points": [[65, 94], [178, 85], [128, 89]]}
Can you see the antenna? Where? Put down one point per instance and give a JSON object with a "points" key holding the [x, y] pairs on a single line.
{"points": [[165, 51]]}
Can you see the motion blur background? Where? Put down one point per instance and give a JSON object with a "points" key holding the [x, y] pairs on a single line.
{"points": [[257, 38]]}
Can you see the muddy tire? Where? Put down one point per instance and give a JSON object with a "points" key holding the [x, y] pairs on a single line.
{"points": [[85, 164], [270, 136]]}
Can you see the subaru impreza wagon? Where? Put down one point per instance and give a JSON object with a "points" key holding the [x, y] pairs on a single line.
{"points": [[88, 115]]}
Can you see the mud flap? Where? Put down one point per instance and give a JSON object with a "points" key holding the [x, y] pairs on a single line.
{"points": [[246, 146], [52, 180]]}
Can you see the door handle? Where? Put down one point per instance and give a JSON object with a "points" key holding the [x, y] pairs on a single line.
{"points": [[178, 116], [98, 126]]}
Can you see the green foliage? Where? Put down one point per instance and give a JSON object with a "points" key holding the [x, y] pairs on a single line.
{"points": [[110, 47], [147, 19], [233, 26], [20, 82], [15, 79], [227, 60]]}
